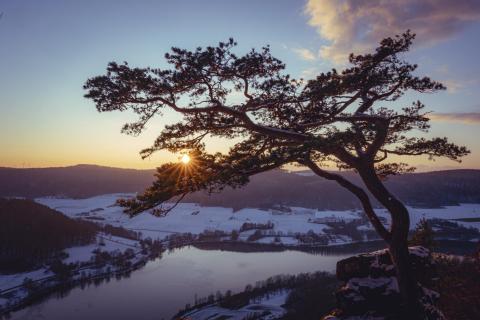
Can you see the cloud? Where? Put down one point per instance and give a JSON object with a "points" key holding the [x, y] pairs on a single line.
{"points": [[305, 54], [458, 85], [453, 86], [358, 25], [310, 73], [470, 117]]}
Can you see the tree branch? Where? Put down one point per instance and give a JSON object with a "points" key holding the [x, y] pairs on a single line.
{"points": [[358, 192]]}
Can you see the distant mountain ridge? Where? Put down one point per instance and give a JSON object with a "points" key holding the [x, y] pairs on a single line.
{"points": [[277, 187], [80, 181]]}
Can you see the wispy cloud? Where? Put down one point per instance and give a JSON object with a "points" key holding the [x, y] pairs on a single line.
{"points": [[358, 25], [468, 117], [309, 73], [305, 54], [453, 86]]}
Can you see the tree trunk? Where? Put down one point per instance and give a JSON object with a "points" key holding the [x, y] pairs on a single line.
{"points": [[398, 245]]}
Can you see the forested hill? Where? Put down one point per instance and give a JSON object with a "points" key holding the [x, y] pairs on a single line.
{"points": [[430, 189], [80, 181], [31, 233]]}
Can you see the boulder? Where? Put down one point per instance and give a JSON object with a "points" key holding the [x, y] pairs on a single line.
{"points": [[361, 295], [370, 289], [379, 264]]}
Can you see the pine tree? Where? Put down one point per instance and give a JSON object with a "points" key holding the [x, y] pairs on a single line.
{"points": [[338, 117]]}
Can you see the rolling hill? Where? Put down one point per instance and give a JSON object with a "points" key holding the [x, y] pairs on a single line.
{"points": [[278, 187]]}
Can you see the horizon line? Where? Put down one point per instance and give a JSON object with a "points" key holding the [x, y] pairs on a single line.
{"points": [[154, 168]]}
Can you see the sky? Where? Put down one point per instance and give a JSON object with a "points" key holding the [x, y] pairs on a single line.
{"points": [[48, 49]]}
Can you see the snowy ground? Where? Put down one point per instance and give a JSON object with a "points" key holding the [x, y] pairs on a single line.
{"points": [[13, 292], [271, 304], [12, 280], [447, 213], [80, 254], [189, 217]]}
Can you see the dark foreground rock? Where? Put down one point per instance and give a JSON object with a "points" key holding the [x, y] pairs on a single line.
{"points": [[370, 288]]}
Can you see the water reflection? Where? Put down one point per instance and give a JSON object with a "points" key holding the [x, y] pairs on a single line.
{"points": [[165, 285]]}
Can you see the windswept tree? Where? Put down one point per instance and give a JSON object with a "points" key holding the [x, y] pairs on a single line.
{"points": [[338, 117]]}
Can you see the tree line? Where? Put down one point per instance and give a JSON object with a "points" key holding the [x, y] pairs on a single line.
{"points": [[31, 233]]}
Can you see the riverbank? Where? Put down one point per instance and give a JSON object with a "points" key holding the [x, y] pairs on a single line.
{"points": [[90, 264], [357, 291], [272, 298], [104, 266], [208, 228], [164, 286]]}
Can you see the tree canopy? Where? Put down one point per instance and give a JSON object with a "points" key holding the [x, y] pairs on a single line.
{"points": [[340, 116]]}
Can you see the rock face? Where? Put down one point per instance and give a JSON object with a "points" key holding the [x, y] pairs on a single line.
{"points": [[370, 289]]}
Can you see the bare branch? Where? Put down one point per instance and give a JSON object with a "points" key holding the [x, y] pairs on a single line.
{"points": [[357, 191]]}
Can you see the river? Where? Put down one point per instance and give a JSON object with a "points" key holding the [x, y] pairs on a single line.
{"points": [[163, 286]]}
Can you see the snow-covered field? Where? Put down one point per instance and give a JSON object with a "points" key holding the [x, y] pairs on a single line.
{"points": [[13, 291], [190, 217], [79, 254], [271, 304]]}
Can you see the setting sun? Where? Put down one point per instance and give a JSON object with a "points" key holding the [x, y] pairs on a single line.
{"points": [[185, 158]]}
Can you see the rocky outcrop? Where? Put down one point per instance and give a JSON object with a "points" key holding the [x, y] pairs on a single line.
{"points": [[370, 289]]}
